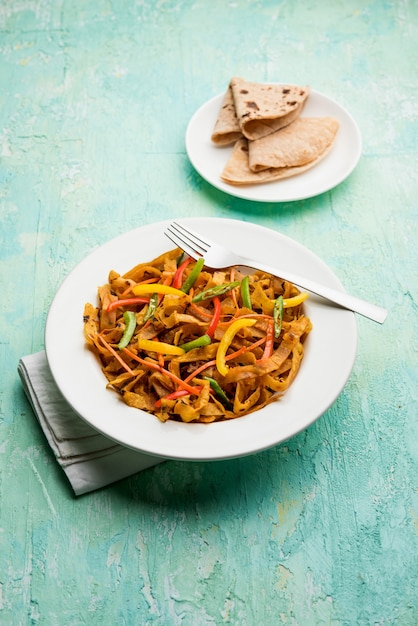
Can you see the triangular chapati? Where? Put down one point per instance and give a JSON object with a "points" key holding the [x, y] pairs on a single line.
{"points": [[299, 143], [237, 170], [264, 108], [227, 129]]}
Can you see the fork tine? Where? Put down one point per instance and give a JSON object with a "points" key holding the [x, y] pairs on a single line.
{"points": [[192, 237], [180, 243], [185, 239]]}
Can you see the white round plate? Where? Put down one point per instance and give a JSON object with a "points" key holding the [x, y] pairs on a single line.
{"points": [[209, 159], [329, 350]]}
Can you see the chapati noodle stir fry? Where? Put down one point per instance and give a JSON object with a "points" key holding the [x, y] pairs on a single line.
{"points": [[196, 345]]}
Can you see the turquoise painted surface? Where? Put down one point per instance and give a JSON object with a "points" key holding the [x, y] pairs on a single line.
{"points": [[94, 102]]}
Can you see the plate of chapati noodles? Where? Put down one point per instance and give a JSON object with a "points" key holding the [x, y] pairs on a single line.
{"points": [[174, 359], [273, 142]]}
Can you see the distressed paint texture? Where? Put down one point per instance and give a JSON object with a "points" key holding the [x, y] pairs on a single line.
{"points": [[95, 98]]}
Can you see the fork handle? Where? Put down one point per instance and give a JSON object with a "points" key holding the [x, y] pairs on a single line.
{"points": [[345, 300]]}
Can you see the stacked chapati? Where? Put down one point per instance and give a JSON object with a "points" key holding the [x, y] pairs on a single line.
{"points": [[271, 139]]}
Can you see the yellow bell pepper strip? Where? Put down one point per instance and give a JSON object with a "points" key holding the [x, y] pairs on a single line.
{"points": [[200, 342], [226, 341], [143, 289], [278, 316], [160, 347], [216, 316], [245, 293], [219, 392], [152, 307], [116, 304], [218, 290], [295, 300], [178, 276], [130, 321], [192, 277]]}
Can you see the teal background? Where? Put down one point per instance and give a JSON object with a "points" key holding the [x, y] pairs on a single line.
{"points": [[95, 98]]}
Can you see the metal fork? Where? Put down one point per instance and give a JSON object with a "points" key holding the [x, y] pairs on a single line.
{"points": [[217, 256]]}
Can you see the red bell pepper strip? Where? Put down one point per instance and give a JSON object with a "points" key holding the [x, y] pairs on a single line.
{"points": [[216, 317], [178, 276], [268, 348]]}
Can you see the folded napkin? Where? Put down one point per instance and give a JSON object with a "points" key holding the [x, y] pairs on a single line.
{"points": [[89, 459]]}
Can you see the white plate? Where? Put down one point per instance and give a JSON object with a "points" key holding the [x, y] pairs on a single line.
{"points": [[329, 357], [209, 159]]}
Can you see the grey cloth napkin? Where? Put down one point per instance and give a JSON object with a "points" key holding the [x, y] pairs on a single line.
{"points": [[89, 459]]}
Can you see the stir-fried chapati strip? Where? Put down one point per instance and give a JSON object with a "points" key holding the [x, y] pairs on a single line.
{"points": [[197, 345]]}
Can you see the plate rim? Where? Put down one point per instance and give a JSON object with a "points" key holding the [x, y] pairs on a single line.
{"points": [[251, 192], [164, 451]]}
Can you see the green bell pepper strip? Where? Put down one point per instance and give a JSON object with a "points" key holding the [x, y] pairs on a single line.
{"points": [[152, 307], [219, 392], [200, 342], [130, 321], [245, 293], [191, 279], [218, 290], [278, 316]]}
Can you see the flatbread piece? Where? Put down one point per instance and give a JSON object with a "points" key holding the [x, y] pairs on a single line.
{"points": [[237, 170], [299, 143], [262, 109], [227, 129]]}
